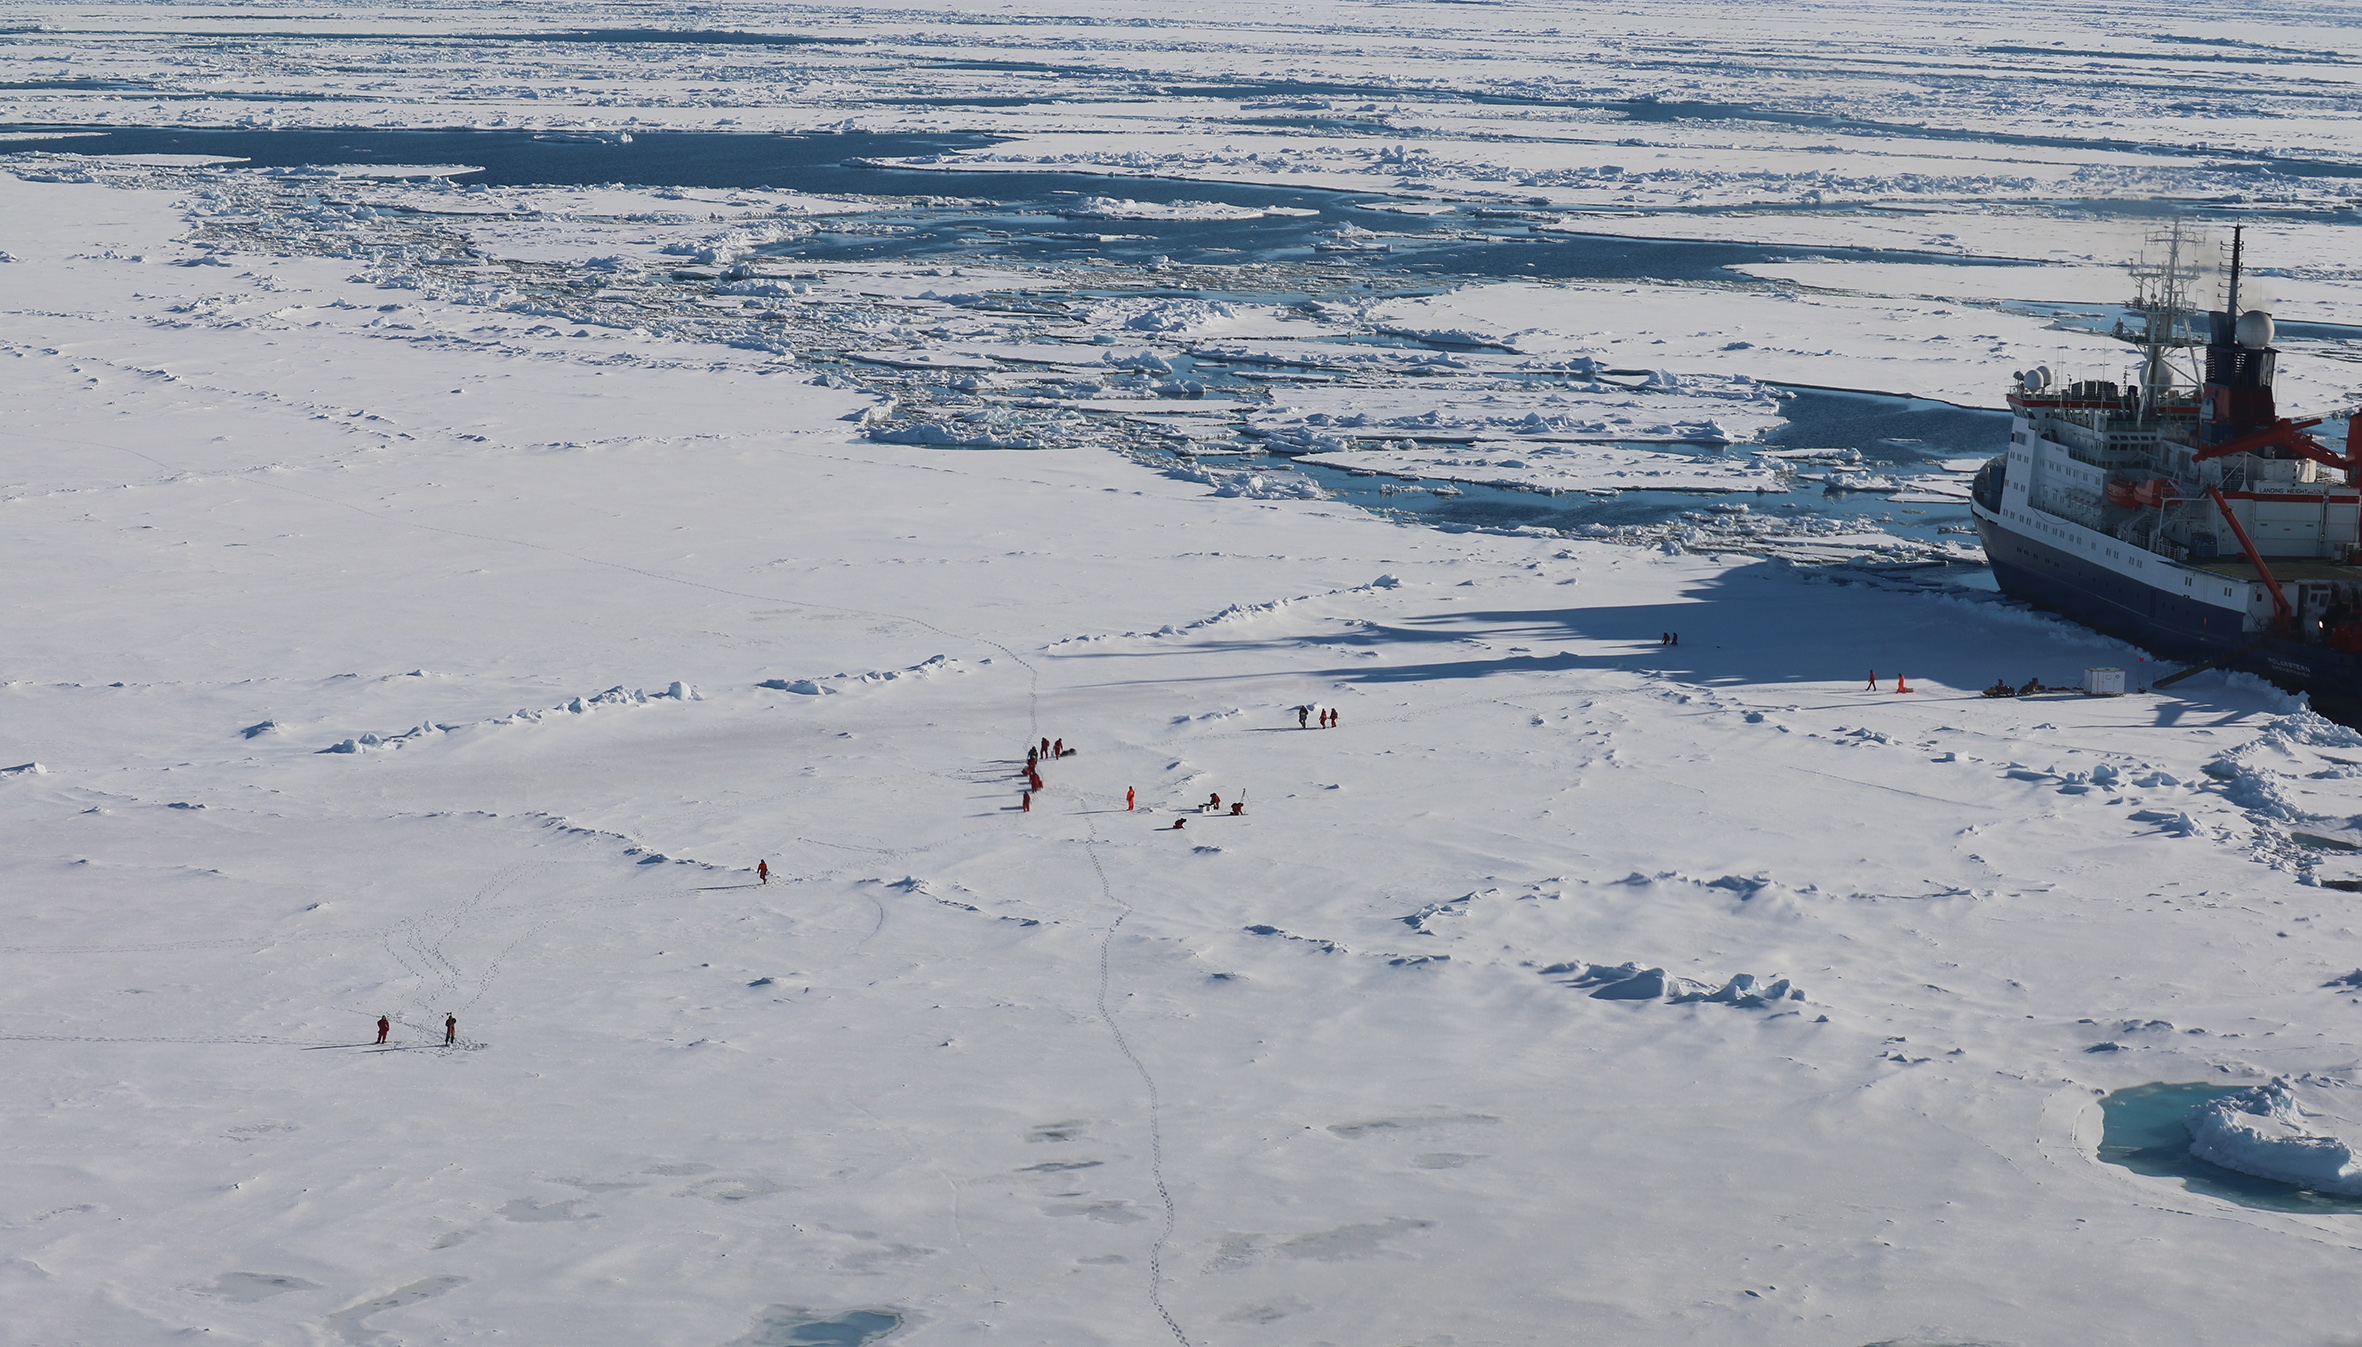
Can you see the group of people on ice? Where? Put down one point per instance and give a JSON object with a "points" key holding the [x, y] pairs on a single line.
{"points": [[1213, 805], [1051, 750], [385, 1027]]}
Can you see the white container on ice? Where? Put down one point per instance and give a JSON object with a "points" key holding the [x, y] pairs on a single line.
{"points": [[2103, 682]]}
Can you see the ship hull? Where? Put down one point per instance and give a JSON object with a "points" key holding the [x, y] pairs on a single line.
{"points": [[2169, 626]]}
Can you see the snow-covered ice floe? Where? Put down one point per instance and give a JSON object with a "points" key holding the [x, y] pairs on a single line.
{"points": [[1177, 317], [1563, 467], [1661, 407], [2301, 1130], [1119, 208], [981, 434], [1262, 484]]}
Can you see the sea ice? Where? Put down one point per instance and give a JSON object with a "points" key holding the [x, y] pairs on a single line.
{"points": [[1564, 467], [2299, 1130], [266, 429]]}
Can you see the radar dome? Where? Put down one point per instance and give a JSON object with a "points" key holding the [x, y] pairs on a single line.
{"points": [[2255, 329]]}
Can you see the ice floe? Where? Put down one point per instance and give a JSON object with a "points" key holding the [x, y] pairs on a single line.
{"points": [[1118, 208], [1174, 316], [1254, 484], [1563, 467], [1717, 410], [2300, 1130]]}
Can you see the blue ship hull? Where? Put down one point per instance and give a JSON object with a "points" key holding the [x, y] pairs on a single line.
{"points": [[2169, 626]]}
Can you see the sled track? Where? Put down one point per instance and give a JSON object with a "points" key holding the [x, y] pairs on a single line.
{"points": [[1156, 1131]]}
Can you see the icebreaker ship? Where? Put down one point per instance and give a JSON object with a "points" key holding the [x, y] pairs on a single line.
{"points": [[2181, 511]]}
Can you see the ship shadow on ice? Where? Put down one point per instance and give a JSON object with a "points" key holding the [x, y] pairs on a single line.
{"points": [[1766, 623]]}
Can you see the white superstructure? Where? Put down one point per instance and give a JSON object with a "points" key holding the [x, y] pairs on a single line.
{"points": [[2180, 508]]}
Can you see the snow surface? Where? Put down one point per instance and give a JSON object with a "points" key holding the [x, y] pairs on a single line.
{"points": [[1576, 986]]}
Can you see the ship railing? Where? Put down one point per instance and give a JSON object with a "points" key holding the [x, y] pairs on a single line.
{"points": [[2081, 508], [2122, 457], [2148, 536]]}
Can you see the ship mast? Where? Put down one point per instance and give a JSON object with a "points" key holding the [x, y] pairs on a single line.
{"points": [[2162, 284], [2231, 302]]}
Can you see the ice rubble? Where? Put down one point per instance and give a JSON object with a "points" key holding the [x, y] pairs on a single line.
{"points": [[1559, 467], [2290, 773], [2296, 1129], [842, 682], [728, 245], [1425, 397], [937, 435], [1119, 208], [1631, 982], [774, 289], [1699, 410], [1176, 316], [579, 706], [1267, 484], [1234, 613]]}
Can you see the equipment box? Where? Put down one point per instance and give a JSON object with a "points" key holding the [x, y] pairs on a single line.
{"points": [[2103, 682]]}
